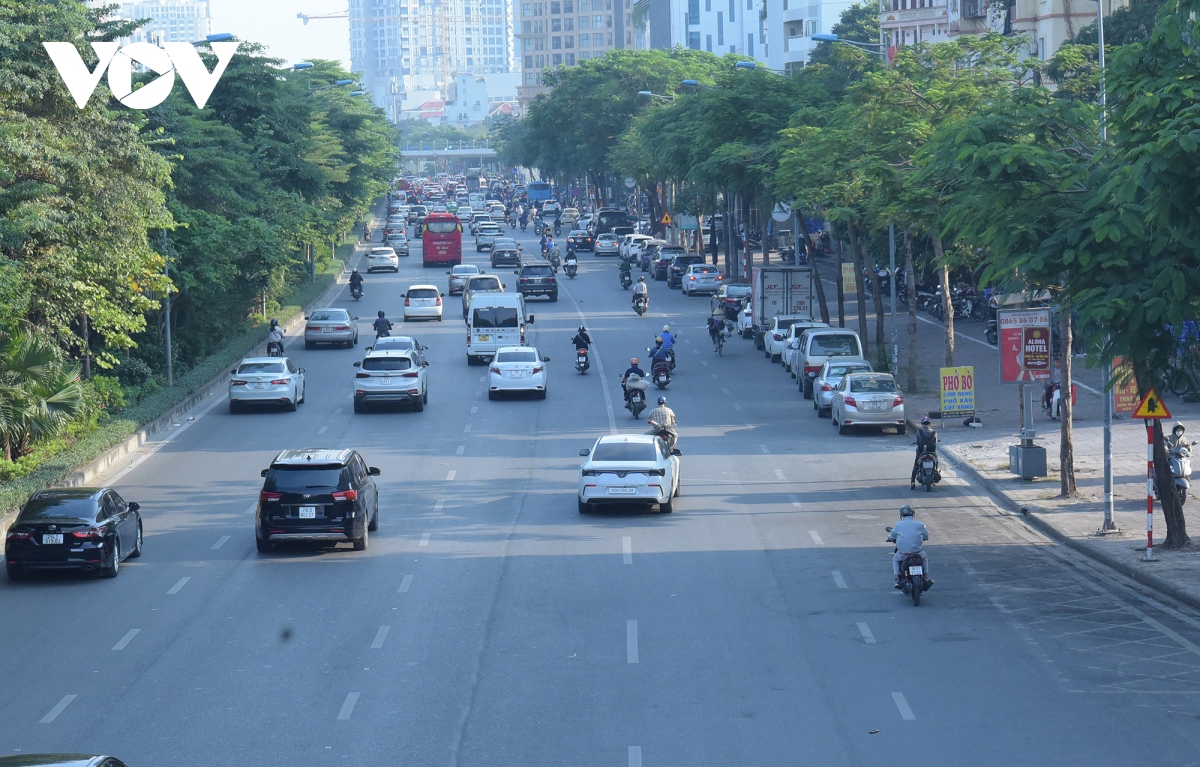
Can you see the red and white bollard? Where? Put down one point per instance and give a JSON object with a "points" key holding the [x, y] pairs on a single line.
{"points": [[1149, 489]]}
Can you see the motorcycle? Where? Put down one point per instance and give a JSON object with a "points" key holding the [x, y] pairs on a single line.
{"points": [[636, 386], [912, 576], [523, 225], [581, 361], [557, 229], [555, 262], [275, 348], [991, 333], [671, 357], [626, 280], [572, 268], [927, 473], [1181, 471], [666, 435], [660, 373], [356, 292], [639, 305]]}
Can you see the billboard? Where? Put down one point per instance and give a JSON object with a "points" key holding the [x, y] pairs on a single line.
{"points": [[1025, 344]]}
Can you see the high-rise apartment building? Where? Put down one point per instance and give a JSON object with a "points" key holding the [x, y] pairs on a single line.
{"points": [[401, 46], [791, 25], [563, 32], [172, 21], [717, 26]]}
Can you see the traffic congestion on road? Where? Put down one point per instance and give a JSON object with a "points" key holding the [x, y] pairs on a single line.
{"points": [[429, 530]]}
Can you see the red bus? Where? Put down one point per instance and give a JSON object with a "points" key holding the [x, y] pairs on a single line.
{"points": [[441, 240]]}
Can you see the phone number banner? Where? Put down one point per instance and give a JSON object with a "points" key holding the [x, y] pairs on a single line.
{"points": [[1025, 345]]}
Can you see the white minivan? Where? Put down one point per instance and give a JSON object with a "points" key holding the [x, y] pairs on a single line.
{"points": [[495, 320]]}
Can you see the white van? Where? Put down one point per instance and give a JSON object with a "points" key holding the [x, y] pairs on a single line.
{"points": [[818, 345], [476, 200], [495, 320]]}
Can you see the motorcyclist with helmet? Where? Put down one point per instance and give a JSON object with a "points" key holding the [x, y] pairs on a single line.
{"points": [[382, 325], [927, 440], [582, 340], [641, 289], [662, 420], [274, 339], [356, 282], [909, 535]]}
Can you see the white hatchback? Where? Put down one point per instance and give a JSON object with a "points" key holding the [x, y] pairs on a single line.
{"points": [[517, 369], [382, 258], [272, 380], [628, 468], [423, 302]]}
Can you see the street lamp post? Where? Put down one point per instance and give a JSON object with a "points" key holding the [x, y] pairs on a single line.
{"points": [[649, 95], [867, 47]]}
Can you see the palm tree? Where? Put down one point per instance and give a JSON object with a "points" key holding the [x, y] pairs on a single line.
{"points": [[39, 393]]}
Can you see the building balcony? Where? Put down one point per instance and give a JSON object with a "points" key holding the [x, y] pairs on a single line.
{"points": [[916, 16], [795, 13]]}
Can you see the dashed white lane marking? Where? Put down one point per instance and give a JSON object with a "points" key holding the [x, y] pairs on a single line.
{"points": [[381, 636], [450, 475], [220, 542], [635, 756], [479, 393], [467, 429], [779, 474], [631, 642], [795, 501], [714, 375], [253, 508], [627, 549], [697, 351], [475, 409], [424, 539], [404, 584], [338, 411], [704, 363], [179, 584], [437, 507], [348, 706], [736, 406], [482, 379], [129, 635], [865, 630], [460, 449], [816, 537], [322, 430], [724, 391], [764, 449], [838, 579], [53, 713], [906, 713]]}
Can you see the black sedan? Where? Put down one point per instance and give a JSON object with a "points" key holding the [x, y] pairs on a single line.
{"points": [[60, 760], [578, 239], [73, 528]]}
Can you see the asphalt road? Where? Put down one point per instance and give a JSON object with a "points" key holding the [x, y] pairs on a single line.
{"points": [[491, 624]]}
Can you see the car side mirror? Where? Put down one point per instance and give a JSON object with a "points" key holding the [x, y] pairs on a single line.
{"points": [[676, 451], [369, 348], [443, 295], [504, 284], [263, 473], [585, 451], [133, 506], [307, 317], [357, 364], [530, 320], [516, 271], [889, 529], [373, 471], [233, 372], [424, 363], [301, 370], [447, 272], [545, 359]]}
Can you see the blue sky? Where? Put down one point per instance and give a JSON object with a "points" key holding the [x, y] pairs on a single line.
{"points": [[274, 23]]}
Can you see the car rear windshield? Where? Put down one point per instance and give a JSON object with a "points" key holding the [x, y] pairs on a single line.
{"points": [[507, 253], [297, 479], [422, 293], [465, 270], [330, 316], [539, 270], [260, 367], [836, 346], [697, 269], [737, 291], [841, 370], [495, 317], [386, 363], [484, 283], [395, 342], [516, 357], [58, 507], [441, 227], [624, 451], [873, 384]]}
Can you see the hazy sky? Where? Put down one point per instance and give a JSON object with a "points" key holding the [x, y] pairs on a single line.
{"points": [[274, 24]]}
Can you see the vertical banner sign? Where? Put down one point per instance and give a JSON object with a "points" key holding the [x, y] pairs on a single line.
{"points": [[1024, 345], [800, 291], [1125, 390], [849, 284], [958, 391]]}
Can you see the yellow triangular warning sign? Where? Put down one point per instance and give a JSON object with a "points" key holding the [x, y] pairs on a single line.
{"points": [[1151, 407], [666, 219]]}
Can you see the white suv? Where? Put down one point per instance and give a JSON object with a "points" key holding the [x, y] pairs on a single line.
{"points": [[391, 376]]}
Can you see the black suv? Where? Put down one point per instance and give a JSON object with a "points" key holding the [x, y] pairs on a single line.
{"points": [[537, 280], [679, 265], [505, 258], [660, 268], [317, 495]]}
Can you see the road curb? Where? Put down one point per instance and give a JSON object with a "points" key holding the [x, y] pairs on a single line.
{"points": [[1029, 516]]}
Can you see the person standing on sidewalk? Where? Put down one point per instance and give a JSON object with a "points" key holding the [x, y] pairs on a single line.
{"points": [[927, 440]]}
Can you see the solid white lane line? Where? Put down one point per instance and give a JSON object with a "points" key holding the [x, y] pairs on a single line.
{"points": [[129, 635], [627, 549], [838, 579], [179, 584], [816, 537], [382, 633], [631, 642], [475, 410], [322, 430], [779, 474], [404, 584], [764, 449], [867, 636], [635, 756], [58, 709], [467, 429], [220, 542], [348, 706], [906, 713], [795, 501], [437, 507], [450, 475], [424, 539], [460, 449]]}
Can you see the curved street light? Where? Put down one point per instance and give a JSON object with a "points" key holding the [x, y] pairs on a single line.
{"points": [[867, 47], [649, 95]]}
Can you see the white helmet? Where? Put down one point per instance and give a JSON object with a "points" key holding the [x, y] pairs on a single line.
{"points": [[666, 328]]}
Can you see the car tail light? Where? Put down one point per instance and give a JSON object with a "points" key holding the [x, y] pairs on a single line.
{"points": [[826, 387], [406, 301], [19, 536], [265, 496], [341, 327], [551, 279], [312, 329], [91, 532], [538, 369], [495, 370], [850, 401], [236, 382], [360, 392], [280, 382], [658, 472], [777, 336], [811, 370], [897, 401], [414, 392], [589, 473], [410, 375], [345, 495], [362, 375], [718, 278], [439, 300]]}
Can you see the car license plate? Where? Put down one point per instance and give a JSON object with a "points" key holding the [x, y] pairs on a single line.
{"points": [[385, 380], [326, 330], [873, 406], [308, 512], [927, 465], [484, 338], [49, 539], [622, 490], [917, 570], [258, 386]]}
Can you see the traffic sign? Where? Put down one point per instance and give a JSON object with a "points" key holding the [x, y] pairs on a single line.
{"points": [[782, 212], [630, 182], [666, 219], [1152, 407]]}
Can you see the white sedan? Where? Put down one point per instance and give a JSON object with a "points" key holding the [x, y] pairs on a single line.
{"points": [[273, 380], [424, 302], [629, 468], [382, 258], [517, 368]]}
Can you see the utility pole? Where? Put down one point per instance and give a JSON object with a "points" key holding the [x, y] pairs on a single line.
{"points": [[893, 363], [1109, 525], [167, 312]]}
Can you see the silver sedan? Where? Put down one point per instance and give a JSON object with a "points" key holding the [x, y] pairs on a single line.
{"points": [[330, 326], [828, 379], [868, 399], [458, 277]]}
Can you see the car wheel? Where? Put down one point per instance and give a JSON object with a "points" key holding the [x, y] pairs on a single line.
{"points": [[808, 392], [309, 344], [290, 405], [678, 488], [264, 547], [841, 427], [303, 394], [425, 397], [666, 508], [470, 361], [16, 572], [137, 546], [554, 297], [491, 395], [234, 407], [824, 412], [374, 521], [362, 543], [775, 358], [542, 394], [583, 509], [355, 342], [358, 407], [112, 570], [418, 406]]}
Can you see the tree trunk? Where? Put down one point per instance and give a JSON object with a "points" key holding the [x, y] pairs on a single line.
{"points": [[87, 349], [860, 290], [747, 257], [1177, 536], [841, 286], [877, 303], [1066, 449], [811, 248], [910, 287], [947, 303]]}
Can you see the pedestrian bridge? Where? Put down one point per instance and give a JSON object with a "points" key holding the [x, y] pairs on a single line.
{"points": [[456, 152]]}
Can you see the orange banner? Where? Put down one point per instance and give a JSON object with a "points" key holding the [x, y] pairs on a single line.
{"points": [[1125, 390]]}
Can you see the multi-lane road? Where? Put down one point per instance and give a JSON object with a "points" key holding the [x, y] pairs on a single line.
{"points": [[490, 623]]}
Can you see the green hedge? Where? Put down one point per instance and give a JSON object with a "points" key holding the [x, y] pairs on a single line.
{"points": [[57, 467]]}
